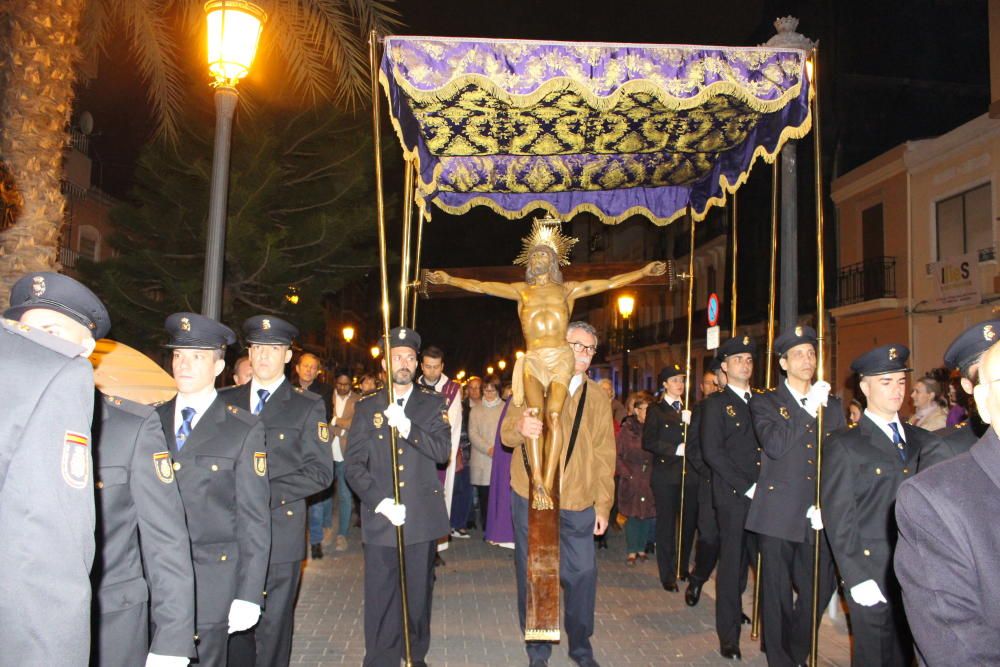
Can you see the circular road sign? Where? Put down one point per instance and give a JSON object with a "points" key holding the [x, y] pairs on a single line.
{"points": [[713, 309]]}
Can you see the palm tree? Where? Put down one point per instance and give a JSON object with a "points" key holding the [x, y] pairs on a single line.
{"points": [[322, 44]]}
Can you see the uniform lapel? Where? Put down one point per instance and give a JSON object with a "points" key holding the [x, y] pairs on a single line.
{"points": [[276, 404], [879, 441], [986, 453], [241, 397], [167, 418], [208, 427]]}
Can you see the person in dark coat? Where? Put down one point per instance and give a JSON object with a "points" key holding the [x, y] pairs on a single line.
{"points": [[706, 553], [863, 467], [964, 354], [424, 441], [783, 511], [948, 553], [46, 498], [634, 470], [663, 435], [220, 468], [731, 450], [300, 465]]}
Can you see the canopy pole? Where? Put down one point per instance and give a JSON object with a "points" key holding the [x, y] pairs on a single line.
{"points": [[687, 393], [416, 268], [813, 70], [404, 269], [384, 272], [732, 290]]}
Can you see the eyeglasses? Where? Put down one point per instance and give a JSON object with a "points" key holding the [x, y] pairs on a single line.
{"points": [[580, 347]]}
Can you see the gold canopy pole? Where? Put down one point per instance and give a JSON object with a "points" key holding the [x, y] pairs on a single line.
{"points": [[404, 269], [687, 393], [383, 265], [812, 67], [416, 267], [733, 287]]}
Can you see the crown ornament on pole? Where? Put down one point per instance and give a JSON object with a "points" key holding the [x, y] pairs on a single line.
{"points": [[545, 232]]}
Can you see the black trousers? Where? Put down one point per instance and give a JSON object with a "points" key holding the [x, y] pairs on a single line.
{"points": [[120, 637], [707, 547], [667, 497], [786, 586], [881, 636], [737, 549], [384, 605], [212, 645], [269, 643], [483, 494], [577, 575]]}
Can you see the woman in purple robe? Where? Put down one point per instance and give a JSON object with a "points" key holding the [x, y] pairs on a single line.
{"points": [[499, 521]]}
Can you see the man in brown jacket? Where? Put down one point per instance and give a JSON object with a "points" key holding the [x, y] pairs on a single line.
{"points": [[586, 494]]}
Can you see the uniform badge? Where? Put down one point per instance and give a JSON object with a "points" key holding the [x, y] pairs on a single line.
{"points": [[161, 464], [378, 420], [444, 416], [38, 286], [892, 353], [746, 340], [260, 463], [323, 431], [76, 460], [798, 331], [730, 411], [185, 324], [783, 412], [265, 324], [988, 332], [402, 334]]}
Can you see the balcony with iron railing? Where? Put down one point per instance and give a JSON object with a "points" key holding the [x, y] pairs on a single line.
{"points": [[871, 279]]}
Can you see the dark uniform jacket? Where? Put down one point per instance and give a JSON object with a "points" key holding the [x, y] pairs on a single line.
{"points": [[948, 556], [137, 496], [729, 446], [693, 450], [787, 484], [369, 466], [661, 434], [46, 499], [298, 457], [221, 473], [325, 393], [861, 472], [953, 441]]}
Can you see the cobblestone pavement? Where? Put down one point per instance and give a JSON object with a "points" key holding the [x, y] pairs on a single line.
{"points": [[475, 619]]}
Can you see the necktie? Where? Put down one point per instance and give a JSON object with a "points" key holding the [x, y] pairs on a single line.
{"points": [[746, 396], [898, 441], [804, 399], [677, 405], [263, 393], [187, 414]]}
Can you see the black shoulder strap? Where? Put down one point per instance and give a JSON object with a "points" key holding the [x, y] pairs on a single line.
{"points": [[572, 435]]}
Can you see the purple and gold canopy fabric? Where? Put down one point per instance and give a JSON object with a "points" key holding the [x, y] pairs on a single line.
{"points": [[614, 129]]}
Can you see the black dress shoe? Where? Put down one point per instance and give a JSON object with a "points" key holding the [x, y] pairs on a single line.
{"points": [[745, 620], [538, 662], [587, 662], [438, 561], [317, 551], [671, 587], [693, 593], [731, 652]]}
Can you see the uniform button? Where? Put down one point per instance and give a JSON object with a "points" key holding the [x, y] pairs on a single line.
{"points": [[867, 552], [223, 557], [758, 463], [402, 467], [810, 462], [100, 485], [398, 451], [379, 436], [402, 484], [809, 446], [281, 436], [878, 471], [177, 465], [758, 449], [808, 478], [282, 502], [642, 499], [215, 468], [906, 471], [290, 513], [770, 487]]}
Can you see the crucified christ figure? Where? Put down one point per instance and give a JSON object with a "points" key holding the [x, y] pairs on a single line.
{"points": [[544, 305]]}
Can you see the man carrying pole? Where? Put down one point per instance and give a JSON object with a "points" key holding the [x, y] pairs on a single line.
{"points": [[782, 512], [420, 417]]}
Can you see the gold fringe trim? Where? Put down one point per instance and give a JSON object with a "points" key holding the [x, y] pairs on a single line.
{"points": [[424, 188], [537, 635]]}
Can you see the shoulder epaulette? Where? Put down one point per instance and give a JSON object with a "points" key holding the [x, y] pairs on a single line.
{"points": [[299, 390], [244, 416], [426, 390], [961, 425], [228, 390], [131, 407], [46, 340], [852, 425], [367, 395], [305, 393], [757, 390]]}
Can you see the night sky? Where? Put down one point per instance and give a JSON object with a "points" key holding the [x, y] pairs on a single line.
{"points": [[893, 71]]}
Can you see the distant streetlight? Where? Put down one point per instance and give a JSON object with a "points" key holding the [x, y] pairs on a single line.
{"points": [[489, 370], [234, 28], [348, 333], [626, 304], [376, 350], [460, 376], [501, 365]]}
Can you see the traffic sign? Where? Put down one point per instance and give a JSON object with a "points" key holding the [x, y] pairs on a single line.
{"points": [[713, 309]]}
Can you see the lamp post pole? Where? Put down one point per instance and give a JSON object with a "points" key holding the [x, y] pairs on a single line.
{"points": [[625, 368], [226, 98]]}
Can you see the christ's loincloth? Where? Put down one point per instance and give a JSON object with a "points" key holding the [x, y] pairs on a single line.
{"points": [[547, 365]]}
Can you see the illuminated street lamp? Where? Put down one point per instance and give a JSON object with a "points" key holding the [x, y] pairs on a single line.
{"points": [[376, 350], [489, 370], [234, 28], [348, 333], [460, 376], [501, 365], [626, 304]]}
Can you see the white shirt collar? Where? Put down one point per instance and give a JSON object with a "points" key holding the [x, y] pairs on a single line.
{"points": [[884, 425], [254, 386], [575, 383], [739, 392], [437, 385], [796, 395], [200, 402], [406, 398]]}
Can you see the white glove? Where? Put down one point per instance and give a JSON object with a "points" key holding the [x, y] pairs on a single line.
{"points": [[752, 490], [680, 450], [867, 593], [686, 417], [396, 514], [153, 660], [818, 394], [398, 419], [243, 615], [815, 517]]}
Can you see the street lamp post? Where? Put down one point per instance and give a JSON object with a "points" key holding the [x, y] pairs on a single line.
{"points": [[234, 28], [348, 333], [626, 304]]}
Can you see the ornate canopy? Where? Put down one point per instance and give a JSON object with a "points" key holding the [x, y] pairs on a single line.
{"points": [[614, 129]]}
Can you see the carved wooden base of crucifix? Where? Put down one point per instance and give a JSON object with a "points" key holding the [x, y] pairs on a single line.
{"points": [[542, 622]]}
